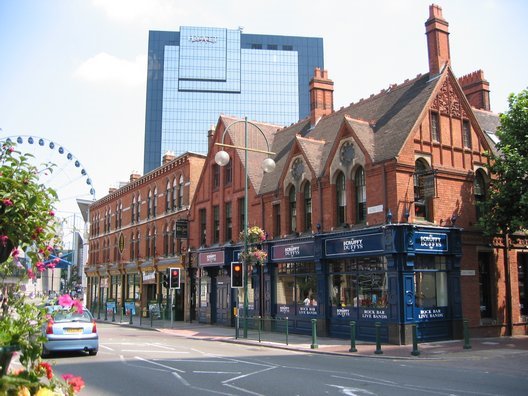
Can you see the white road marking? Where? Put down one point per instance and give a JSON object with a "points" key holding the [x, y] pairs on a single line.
{"points": [[105, 347], [158, 364], [217, 372]]}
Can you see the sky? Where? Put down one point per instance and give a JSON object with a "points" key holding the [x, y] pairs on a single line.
{"points": [[74, 71]]}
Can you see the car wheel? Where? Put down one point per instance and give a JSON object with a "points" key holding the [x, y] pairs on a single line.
{"points": [[92, 352]]}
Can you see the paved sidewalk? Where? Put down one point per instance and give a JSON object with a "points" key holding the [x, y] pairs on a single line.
{"points": [[454, 349]]}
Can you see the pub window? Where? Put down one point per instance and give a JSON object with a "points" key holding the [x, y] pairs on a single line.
{"points": [[149, 204], [361, 196], [479, 188], [180, 192], [296, 285], [228, 222], [292, 200], [276, 221], [241, 219], [484, 263], [522, 263], [435, 127], [216, 224], [216, 176], [155, 202], [167, 197], [174, 194], [138, 209], [166, 239], [203, 225], [422, 210], [430, 279], [341, 199], [228, 173], [466, 134], [307, 206]]}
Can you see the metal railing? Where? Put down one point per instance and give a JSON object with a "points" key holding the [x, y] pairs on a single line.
{"points": [[264, 329]]}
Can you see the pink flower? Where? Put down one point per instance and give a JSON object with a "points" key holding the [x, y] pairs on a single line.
{"points": [[3, 240], [31, 274], [51, 265], [7, 202], [15, 252], [65, 300], [51, 213], [77, 383], [40, 266], [78, 306]]}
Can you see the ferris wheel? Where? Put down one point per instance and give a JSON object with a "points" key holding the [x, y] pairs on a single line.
{"points": [[69, 178]]}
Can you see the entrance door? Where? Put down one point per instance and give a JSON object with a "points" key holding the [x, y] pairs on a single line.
{"points": [[179, 303], [522, 263], [223, 286]]}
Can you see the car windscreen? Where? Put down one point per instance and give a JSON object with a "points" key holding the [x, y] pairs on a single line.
{"points": [[66, 316]]}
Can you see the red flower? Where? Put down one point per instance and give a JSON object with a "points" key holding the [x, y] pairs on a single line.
{"points": [[7, 202], [51, 213], [46, 366], [77, 383]]}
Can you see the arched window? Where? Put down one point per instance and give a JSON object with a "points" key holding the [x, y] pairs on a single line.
{"points": [[361, 196], [341, 199], [480, 190], [422, 210], [167, 196], [166, 237], [153, 238], [174, 194], [131, 247], [147, 244], [149, 204], [155, 202], [293, 209], [180, 193], [307, 190], [172, 239], [138, 208], [133, 210], [138, 240]]}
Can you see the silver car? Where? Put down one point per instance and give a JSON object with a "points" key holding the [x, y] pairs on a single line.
{"points": [[70, 331]]}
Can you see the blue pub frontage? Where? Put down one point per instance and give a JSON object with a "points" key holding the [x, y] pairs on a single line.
{"points": [[397, 275]]}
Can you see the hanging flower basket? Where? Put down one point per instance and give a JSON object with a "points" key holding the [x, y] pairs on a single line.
{"points": [[255, 235]]}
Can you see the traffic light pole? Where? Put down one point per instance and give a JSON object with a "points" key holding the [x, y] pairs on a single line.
{"points": [[172, 306]]}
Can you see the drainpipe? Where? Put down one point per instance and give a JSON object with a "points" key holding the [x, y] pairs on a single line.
{"points": [[320, 203]]}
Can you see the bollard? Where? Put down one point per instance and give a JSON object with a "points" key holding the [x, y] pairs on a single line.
{"points": [[466, 335], [113, 314], [286, 330], [237, 327], [352, 337], [415, 351], [130, 321], [98, 311], [314, 334], [106, 314], [121, 321], [378, 350], [151, 319], [259, 326]]}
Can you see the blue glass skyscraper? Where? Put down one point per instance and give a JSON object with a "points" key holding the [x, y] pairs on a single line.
{"points": [[198, 73]]}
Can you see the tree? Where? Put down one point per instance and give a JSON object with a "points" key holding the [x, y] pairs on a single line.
{"points": [[505, 209]]}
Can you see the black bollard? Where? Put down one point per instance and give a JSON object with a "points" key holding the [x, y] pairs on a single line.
{"points": [[466, 335], [113, 314], [415, 351], [378, 350], [314, 335], [352, 337]]}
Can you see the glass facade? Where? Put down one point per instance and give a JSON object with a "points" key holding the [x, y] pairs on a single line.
{"points": [[199, 73]]}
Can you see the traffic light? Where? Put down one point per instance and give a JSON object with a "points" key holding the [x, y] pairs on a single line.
{"points": [[174, 278], [166, 279], [237, 275]]}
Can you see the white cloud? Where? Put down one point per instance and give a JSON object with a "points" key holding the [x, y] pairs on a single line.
{"points": [[106, 68], [144, 12]]}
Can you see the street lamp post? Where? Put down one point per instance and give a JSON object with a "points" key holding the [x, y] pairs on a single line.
{"points": [[268, 165]]}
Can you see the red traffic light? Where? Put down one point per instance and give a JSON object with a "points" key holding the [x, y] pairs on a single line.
{"points": [[174, 278], [237, 273]]}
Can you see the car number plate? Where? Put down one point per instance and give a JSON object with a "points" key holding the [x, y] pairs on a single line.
{"points": [[73, 330]]}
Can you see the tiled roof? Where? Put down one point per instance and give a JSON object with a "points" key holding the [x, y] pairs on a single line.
{"points": [[489, 122]]}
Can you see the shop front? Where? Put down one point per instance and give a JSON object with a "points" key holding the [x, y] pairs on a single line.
{"points": [[215, 297], [390, 278]]}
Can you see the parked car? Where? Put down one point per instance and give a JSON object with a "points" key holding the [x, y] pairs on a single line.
{"points": [[70, 331]]}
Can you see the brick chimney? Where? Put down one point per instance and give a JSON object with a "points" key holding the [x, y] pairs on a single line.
{"points": [[168, 157], [321, 96], [210, 136], [436, 29], [476, 89], [134, 176]]}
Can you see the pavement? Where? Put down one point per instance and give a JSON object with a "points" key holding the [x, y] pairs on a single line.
{"points": [[472, 348]]}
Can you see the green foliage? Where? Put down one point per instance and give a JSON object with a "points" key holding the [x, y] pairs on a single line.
{"points": [[506, 206], [26, 206]]}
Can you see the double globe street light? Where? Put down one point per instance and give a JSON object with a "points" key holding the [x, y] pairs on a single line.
{"points": [[268, 165]]}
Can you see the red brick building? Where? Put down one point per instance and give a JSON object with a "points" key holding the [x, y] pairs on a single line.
{"points": [[137, 232], [370, 216], [371, 210]]}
